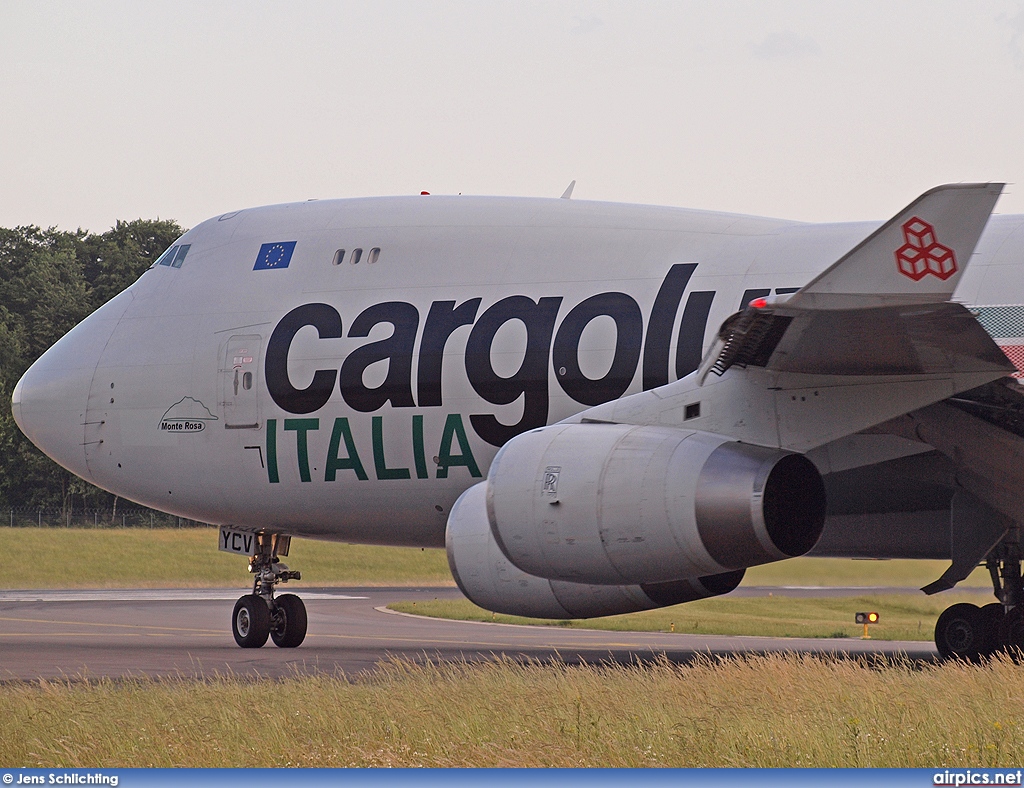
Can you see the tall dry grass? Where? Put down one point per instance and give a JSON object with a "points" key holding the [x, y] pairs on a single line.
{"points": [[757, 711]]}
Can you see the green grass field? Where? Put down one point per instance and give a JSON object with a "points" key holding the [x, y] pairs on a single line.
{"points": [[772, 711], [188, 558], [846, 572]]}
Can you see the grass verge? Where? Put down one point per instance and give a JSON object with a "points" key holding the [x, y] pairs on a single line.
{"points": [[188, 558], [903, 616], [772, 711], [847, 572]]}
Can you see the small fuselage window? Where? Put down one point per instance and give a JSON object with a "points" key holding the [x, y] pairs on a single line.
{"points": [[356, 256]]}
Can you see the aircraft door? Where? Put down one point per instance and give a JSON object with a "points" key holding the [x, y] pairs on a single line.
{"points": [[239, 374]]}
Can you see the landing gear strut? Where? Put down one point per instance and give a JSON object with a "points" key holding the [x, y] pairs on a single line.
{"points": [[259, 615], [968, 632]]}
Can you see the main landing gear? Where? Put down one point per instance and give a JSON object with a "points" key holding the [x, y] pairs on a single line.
{"points": [[968, 632], [261, 615]]}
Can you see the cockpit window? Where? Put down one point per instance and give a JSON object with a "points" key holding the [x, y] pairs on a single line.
{"points": [[167, 257], [174, 256], [179, 258]]}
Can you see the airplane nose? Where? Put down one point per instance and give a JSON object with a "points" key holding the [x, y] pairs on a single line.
{"points": [[16, 406], [49, 402]]}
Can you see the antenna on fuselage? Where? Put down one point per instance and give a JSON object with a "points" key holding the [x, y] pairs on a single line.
{"points": [[567, 194]]}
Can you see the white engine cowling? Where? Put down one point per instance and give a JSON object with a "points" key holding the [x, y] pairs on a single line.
{"points": [[616, 504], [487, 577]]}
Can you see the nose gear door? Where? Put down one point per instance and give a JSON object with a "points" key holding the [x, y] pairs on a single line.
{"points": [[239, 375]]}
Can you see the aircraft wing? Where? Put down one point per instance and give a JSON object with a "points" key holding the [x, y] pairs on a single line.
{"points": [[874, 336], [883, 308]]}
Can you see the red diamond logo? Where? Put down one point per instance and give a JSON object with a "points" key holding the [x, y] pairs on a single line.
{"points": [[921, 254]]}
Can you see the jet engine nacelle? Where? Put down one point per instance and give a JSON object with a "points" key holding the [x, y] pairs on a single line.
{"points": [[616, 504], [487, 577]]}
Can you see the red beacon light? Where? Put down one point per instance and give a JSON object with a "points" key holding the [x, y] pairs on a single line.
{"points": [[759, 303]]}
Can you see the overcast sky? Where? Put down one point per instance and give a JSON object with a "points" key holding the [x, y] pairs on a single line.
{"points": [[817, 110]]}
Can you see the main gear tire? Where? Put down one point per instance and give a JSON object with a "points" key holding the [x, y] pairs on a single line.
{"points": [[991, 617], [960, 633], [1011, 633]]}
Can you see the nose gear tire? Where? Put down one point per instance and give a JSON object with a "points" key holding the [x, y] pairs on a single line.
{"points": [[289, 629], [250, 621]]}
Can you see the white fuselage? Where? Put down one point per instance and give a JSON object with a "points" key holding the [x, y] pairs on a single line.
{"points": [[365, 414]]}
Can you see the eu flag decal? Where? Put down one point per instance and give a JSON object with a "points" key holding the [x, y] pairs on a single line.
{"points": [[275, 255]]}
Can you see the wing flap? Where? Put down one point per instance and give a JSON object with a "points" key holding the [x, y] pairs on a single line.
{"points": [[924, 340]]}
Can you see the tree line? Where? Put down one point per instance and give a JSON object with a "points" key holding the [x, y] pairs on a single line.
{"points": [[50, 280]]}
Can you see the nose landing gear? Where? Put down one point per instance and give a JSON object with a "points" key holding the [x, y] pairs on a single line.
{"points": [[260, 615], [288, 621]]}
